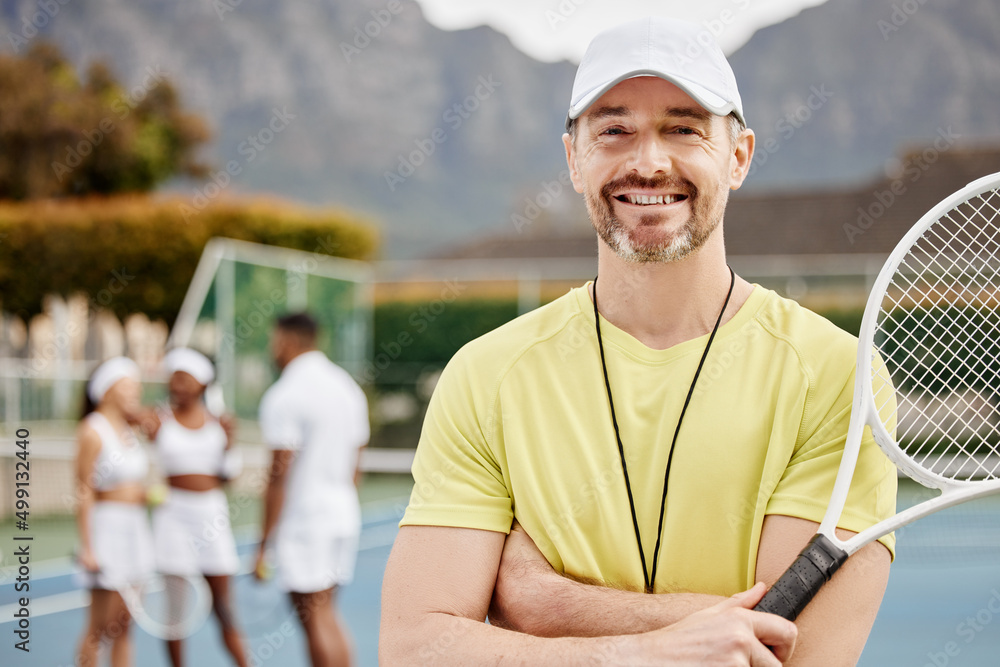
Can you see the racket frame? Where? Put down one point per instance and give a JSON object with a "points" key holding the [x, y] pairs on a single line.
{"points": [[202, 609], [826, 553], [865, 413]]}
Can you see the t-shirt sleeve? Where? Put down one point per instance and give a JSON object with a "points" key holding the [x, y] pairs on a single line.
{"points": [[362, 430], [278, 423], [807, 483], [458, 481]]}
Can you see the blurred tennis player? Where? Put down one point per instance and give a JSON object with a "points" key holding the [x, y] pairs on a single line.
{"points": [[669, 428], [191, 528], [315, 420], [116, 546]]}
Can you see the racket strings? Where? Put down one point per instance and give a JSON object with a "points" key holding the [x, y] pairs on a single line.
{"points": [[936, 370]]}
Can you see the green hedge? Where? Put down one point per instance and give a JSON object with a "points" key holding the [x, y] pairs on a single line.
{"points": [[428, 333], [137, 254], [848, 320]]}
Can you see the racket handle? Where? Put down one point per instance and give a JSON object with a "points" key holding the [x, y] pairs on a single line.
{"points": [[799, 584]]}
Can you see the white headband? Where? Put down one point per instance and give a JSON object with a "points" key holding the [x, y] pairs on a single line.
{"points": [[191, 362], [108, 373]]}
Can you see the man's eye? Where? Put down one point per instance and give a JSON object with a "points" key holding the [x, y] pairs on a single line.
{"points": [[685, 130], [613, 130]]}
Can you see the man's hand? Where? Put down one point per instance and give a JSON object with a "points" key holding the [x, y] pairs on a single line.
{"points": [[261, 568], [729, 633], [437, 588], [87, 561]]}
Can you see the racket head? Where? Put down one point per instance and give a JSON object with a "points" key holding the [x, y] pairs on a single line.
{"points": [[169, 606], [929, 352]]}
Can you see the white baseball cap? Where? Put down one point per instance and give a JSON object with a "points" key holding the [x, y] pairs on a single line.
{"points": [[683, 53]]}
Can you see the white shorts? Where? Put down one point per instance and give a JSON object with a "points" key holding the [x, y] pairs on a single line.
{"points": [[122, 545], [311, 559], [192, 534]]}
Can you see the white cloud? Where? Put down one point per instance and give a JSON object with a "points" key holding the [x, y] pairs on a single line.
{"points": [[560, 29]]}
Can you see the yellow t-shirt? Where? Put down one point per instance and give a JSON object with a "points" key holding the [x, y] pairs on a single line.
{"points": [[519, 426]]}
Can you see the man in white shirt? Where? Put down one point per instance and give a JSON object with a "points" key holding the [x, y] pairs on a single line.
{"points": [[315, 421]]}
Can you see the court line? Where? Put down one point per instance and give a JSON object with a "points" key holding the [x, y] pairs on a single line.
{"points": [[50, 604], [78, 598]]}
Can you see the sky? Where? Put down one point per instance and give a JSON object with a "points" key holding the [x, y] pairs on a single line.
{"points": [[561, 29]]}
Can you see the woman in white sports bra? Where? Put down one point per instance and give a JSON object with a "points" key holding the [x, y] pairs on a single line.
{"points": [[115, 542], [191, 529]]}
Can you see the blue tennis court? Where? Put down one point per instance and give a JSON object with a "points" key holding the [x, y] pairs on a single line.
{"points": [[942, 606], [269, 624]]}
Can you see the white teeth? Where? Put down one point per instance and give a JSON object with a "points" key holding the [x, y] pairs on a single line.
{"points": [[645, 200]]}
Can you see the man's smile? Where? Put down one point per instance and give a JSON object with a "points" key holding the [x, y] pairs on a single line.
{"points": [[647, 199]]}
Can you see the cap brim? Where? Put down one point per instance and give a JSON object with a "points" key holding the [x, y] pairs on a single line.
{"points": [[704, 97]]}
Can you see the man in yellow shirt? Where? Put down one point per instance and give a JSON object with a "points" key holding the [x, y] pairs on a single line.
{"points": [[668, 428]]}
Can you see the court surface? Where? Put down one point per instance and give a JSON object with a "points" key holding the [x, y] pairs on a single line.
{"points": [[942, 606]]}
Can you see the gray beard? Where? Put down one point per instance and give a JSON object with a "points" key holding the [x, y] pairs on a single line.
{"points": [[625, 242]]}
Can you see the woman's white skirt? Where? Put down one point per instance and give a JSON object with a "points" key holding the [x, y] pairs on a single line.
{"points": [[192, 534], [122, 544]]}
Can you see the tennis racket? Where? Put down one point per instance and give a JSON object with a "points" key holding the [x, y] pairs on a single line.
{"points": [[169, 606], [928, 379]]}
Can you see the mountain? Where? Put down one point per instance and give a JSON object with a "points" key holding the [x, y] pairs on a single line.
{"points": [[835, 93], [364, 96], [431, 132]]}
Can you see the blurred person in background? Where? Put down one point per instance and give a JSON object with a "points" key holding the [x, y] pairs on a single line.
{"points": [[315, 420], [116, 546], [191, 528]]}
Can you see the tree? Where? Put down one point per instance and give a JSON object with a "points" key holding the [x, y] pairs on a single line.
{"points": [[63, 137]]}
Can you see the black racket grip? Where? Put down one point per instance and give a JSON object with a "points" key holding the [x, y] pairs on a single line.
{"points": [[800, 582]]}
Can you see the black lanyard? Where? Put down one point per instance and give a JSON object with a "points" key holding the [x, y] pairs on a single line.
{"points": [[650, 577]]}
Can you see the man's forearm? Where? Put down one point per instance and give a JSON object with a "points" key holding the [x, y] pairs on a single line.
{"points": [[274, 499], [443, 639], [529, 596], [436, 591], [551, 605]]}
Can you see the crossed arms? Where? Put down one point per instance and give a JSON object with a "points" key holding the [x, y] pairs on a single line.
{"points": [[441, 583]]}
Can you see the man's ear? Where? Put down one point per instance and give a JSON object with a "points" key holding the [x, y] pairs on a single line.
{"points": [[574, 173], [741, 158]]}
